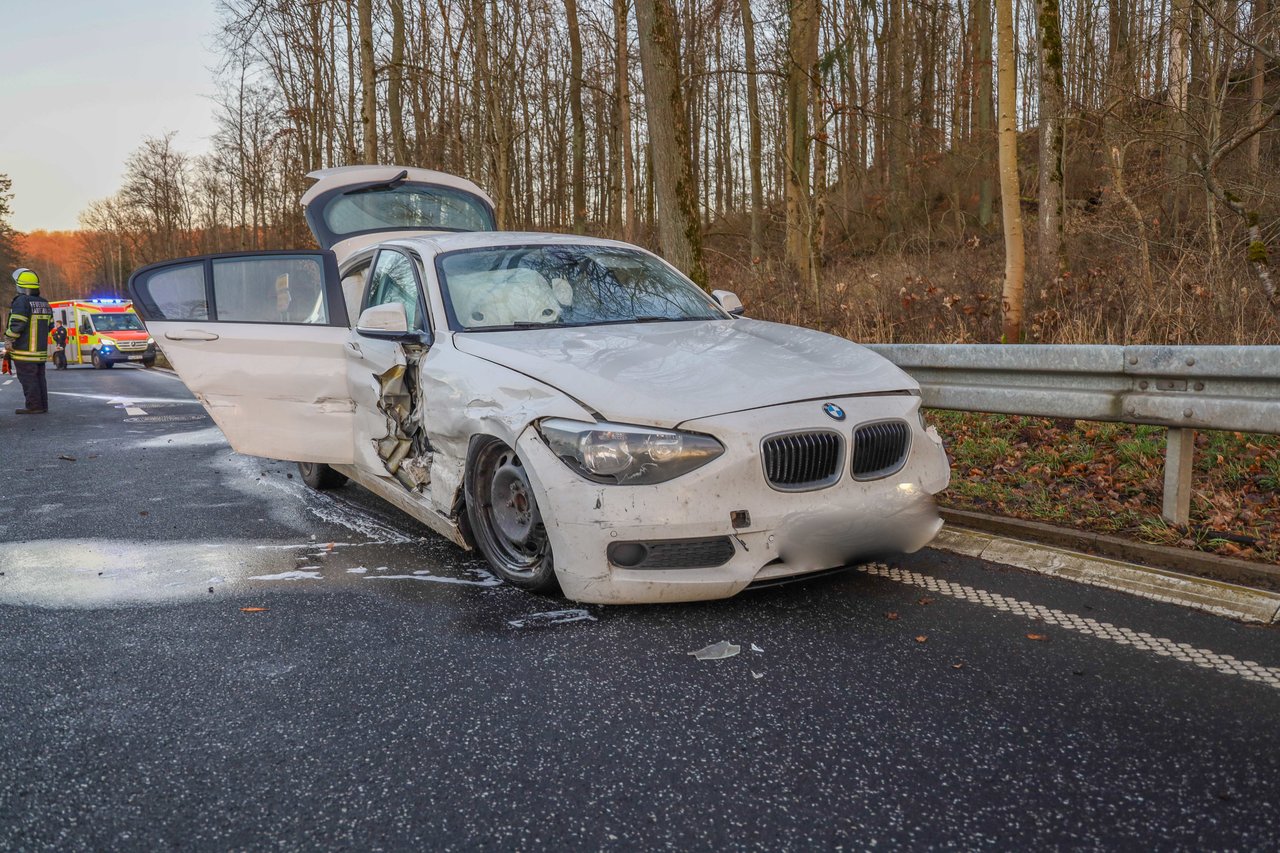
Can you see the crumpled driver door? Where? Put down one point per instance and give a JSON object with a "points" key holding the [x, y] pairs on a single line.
{"points": [[259, 339]]}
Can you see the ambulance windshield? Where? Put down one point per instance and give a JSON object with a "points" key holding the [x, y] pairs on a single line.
{"points": [[117, 323]]}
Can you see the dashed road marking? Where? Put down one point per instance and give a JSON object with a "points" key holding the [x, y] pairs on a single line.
{"points": [[8, 382], [1185, 652], [134, 411]]}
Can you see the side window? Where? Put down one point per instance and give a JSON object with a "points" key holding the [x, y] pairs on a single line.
{"points": [[270, 290], [395, 281], [177, 293], [85, 328]]}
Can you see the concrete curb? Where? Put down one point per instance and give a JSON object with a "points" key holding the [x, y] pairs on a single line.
{"points": [[1217, 597]]}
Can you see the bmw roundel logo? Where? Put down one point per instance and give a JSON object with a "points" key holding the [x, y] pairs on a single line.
{"points": [[834, 411]]}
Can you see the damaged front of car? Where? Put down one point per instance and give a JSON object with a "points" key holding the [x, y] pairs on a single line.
{"points": [[669, 458]]}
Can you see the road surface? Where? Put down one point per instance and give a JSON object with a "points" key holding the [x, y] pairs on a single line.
{"points": [[391, 694]]}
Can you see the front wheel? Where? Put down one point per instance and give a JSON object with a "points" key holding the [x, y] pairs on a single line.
{"points": [[320, 476], [505, 519], [100, 362]]}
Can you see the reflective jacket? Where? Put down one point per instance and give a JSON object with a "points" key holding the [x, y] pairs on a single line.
{"points": [[28, 329], [59, 337]]}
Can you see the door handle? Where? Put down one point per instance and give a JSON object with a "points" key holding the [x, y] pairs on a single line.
{"points": [[190, 335], [355, 348]]}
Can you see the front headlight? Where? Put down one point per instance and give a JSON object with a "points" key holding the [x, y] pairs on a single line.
{"points": [[150, 341], [106, 342], [630, 455]]}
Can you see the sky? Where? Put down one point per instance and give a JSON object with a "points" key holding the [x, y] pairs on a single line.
{"points": [[81, 84]]}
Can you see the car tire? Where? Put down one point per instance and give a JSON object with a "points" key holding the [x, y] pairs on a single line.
{"points": [[510, 533], [100, 362], [320, 476], [148, 362]]}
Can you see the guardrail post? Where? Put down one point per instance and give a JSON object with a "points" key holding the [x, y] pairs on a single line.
{"points": [[1177, 475]]}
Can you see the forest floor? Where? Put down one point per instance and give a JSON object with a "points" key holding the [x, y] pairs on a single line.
{"points": [[1109, 478]]}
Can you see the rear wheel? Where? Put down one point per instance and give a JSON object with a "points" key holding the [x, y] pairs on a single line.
{"points": [[320, 476], [505, 519]]}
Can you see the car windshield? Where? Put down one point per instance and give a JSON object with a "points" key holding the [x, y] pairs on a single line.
{"points": [[117, 322], [515, 287], [406, 207]]}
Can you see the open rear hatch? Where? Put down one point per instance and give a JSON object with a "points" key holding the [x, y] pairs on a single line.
{"points": [[351, 207]]}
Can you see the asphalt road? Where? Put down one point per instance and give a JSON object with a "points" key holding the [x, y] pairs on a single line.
{"points": [[391, 697]]}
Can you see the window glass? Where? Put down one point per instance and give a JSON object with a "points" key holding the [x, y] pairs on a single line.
{"points": [[176, 293], [406, 207], [571, 285], [394, 281], [270, 289], [117, 323], [85, 327]]}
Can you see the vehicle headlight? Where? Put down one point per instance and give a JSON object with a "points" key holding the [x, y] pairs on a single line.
{"points": [[150, 341], [106, 342], [630, 455]]}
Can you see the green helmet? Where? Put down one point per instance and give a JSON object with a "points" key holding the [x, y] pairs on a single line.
{"points": [[26, 279]]}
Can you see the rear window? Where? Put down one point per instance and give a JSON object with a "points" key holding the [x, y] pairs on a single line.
{"points": [[406, 207]]}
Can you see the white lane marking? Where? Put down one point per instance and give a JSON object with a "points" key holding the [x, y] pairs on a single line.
{"points": [[118, 400], [8, 382], [299, 575], [134, 411], [1185, 652]]}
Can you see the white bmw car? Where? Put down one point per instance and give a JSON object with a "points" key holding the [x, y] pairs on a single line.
{"points": [[574, 408]]}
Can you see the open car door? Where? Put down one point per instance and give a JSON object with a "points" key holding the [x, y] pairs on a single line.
{"points": [[259, 339]]}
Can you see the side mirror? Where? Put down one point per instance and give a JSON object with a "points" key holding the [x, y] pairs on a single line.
{"points": [[387, 320], [729, 301]]}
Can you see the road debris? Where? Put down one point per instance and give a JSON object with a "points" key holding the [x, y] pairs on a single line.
{"points": [[551, 617], [922, 639], [1038, 637], [65, 458], [958, 665], [756, 649], [252, 609], [892, 616], [717, 651], [755, 674]]}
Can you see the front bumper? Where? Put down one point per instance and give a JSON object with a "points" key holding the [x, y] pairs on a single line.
{"points": [[116, 355], [790, 533]]}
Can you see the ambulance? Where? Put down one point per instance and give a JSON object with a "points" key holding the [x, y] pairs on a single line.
{"points": [[104, 332]]}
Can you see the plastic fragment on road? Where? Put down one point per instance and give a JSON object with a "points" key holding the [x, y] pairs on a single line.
{"points": [[551, 617], [717, 651], [756, 649], [65, 458], [755, 674], [253, 609], [1038, 637]]}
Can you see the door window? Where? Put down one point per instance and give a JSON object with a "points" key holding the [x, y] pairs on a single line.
{"points": [[394, 280], [274, 289], [278, 288]]}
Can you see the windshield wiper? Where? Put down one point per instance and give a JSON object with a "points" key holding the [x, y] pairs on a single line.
{"points": [[519, 324], [379, 185]]}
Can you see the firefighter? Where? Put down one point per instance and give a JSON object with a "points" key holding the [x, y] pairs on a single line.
{"points": [[27, 340], [59, 337]]}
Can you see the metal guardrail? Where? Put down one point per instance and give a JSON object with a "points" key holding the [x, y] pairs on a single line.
{"points": [[1184, 388]]}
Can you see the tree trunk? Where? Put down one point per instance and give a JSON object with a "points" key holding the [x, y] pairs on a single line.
{"points": [[1051, 142], [753, 133], [579, 189], [395, 84], [679, 234], [984, 126], [1257, 88], [802, 59], [368, 83], [1014, 261], [622, 71]]}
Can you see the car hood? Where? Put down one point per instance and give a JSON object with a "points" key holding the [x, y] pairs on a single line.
{"points": [[663, 374]]}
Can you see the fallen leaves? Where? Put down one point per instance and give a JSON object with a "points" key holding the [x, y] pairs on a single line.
{"points": [[925, 602], [1038, 637], [921, 638], [892, 616]]}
